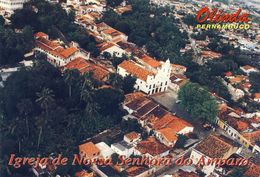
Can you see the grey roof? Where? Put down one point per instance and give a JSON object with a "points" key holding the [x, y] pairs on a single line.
{"points": [[122, 145]]}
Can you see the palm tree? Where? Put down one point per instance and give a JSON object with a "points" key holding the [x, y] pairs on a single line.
{"points": [[115, 80], [25, 107], [87, 85], [70, 77], [45, 99]]}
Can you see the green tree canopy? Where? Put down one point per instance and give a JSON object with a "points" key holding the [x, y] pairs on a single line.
{"points": [[198, 102]]}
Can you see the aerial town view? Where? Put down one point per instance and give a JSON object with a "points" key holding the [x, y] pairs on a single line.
{"points": [[131, 88]]}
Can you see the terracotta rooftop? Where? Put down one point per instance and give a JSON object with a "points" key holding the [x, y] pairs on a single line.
{"points": [[169, 134], [105, 45], [121, 10], [84, 66], [102, 26], [215, 146], [237, 79], [182, 173], [112, 32], [247, 67], [257, 95], [174, 66], [135, 170], [150, 61], [171, 121], [253, 170], [253, 137], [132, 135], [89, 149], [133, 96], [40, 35], [136, 70], [53, 47], [151, 146], [69, 51], [84, 174], [210, 54], [233, 119], [229, 73]]}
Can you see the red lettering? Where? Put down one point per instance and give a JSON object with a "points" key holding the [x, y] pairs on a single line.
{"points": [[203, 14]]}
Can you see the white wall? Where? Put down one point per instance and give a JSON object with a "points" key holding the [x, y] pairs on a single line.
{"points": [[11, 5]]}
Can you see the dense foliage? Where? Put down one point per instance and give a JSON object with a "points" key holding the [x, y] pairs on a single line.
{"points": [[126, 84], [53, 20], [39, 104], [151, 27], [14, 45], [114, 3], [198, 102]]}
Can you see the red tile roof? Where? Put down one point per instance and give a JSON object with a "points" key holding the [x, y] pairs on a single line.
{"points": [[133, 96], [247, 67], [257, 95], [105, 45], [89, 149], [41, 35], [214, 146], [210, 54], [253, 137], [169, 134], [84, 66], [135, 70], [151, 146], [171, 121], [132, 135], [150, 61], [253, 170], [54, 47]]}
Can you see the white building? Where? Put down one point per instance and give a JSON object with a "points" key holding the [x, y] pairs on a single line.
{"points": [[105, 150], [151, 75], [132, 137], [112, 49], [12, 5], [248, 69], [57, 54], [214, 146], [122, 148]]}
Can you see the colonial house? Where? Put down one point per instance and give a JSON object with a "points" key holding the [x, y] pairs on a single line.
{"points": [[152, 148], [89, 150], [156, 119], [248, 69], [169, 127], [57, 52], [111, 48], [253, 140], [214, 146], [151, 76], [132, 137], [237, 127], [83, 66], [113, 35]]}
